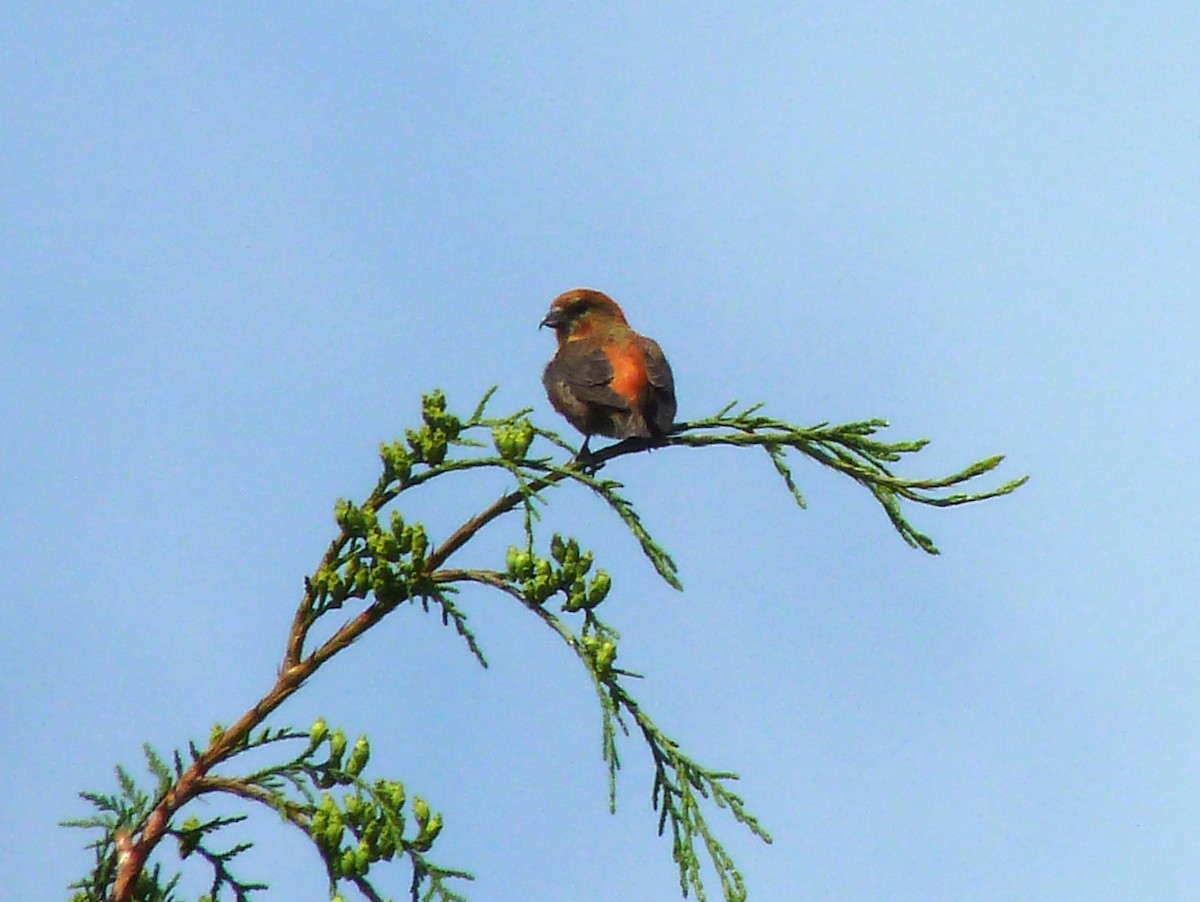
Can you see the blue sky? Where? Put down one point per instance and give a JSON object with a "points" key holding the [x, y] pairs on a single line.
{"points": [[236, 245]]}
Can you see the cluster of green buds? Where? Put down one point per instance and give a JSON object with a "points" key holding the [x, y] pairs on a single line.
{"points": [[399, 539], [355, 521], [429, 825], [385, 561], [602, 652], [368, 825], [374, 821], [430, 443], [513, 439], [337, 770], [397, 462], [539, 578], [374, 824]]}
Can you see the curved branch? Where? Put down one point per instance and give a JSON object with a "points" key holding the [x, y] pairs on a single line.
{"points": [[848, 449]]}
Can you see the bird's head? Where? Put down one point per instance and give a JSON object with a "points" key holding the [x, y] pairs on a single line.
{"points": [[580, 311]]}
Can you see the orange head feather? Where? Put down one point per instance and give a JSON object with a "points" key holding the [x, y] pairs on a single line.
{"points": [[578, 312]]}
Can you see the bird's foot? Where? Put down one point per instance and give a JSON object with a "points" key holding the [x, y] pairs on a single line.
{"points": [[584, 459]]}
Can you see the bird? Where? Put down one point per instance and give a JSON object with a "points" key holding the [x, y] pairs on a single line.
{"points": [[605, 378]]}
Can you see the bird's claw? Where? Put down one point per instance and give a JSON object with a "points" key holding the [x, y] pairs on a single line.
{"points": [[585, 460]]}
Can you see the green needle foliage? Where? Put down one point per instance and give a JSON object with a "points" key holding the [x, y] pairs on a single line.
{"points": [[378, 561]]}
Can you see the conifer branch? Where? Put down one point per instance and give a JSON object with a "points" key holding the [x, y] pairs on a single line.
{"points": [[373, 567]]}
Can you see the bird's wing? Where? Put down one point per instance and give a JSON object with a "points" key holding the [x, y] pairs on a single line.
{"points": [[658, 372], [585, 369]]}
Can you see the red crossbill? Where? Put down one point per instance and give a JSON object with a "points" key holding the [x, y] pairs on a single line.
{"points": [[605, 378]]}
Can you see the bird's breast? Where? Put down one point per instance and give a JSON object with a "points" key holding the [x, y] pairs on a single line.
{"points": [[629, 379]]}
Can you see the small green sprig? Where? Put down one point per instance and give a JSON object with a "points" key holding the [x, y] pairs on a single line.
{"points": [[364, 825], [850, 449]]}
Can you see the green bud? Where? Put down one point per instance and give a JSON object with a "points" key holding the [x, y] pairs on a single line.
{"points": [[604, 656], [434, 827], [396, 463], [420, 810], [585, 562], [317, 732], [319, 583], [502, 439], [420, 543], [576, 596], [373, 829], [429, 832], [358, 756], [433, 405], [384, 546], [416, 442], [362, 857], [436, 447], [519, 562], [403, 468], [386, 846], [189, 837], [532, 590], [362, 583], [571, 555], [512, 440], [337, 747], [335, 826], [523, 438], [318, 822], [558, 548], [389, 551], [318, 829], [351, 518], [349, 864], [601, 584], [215, 734], [337, 590], [392, 792], [387, 586], [433, 411], [381, 578]]}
